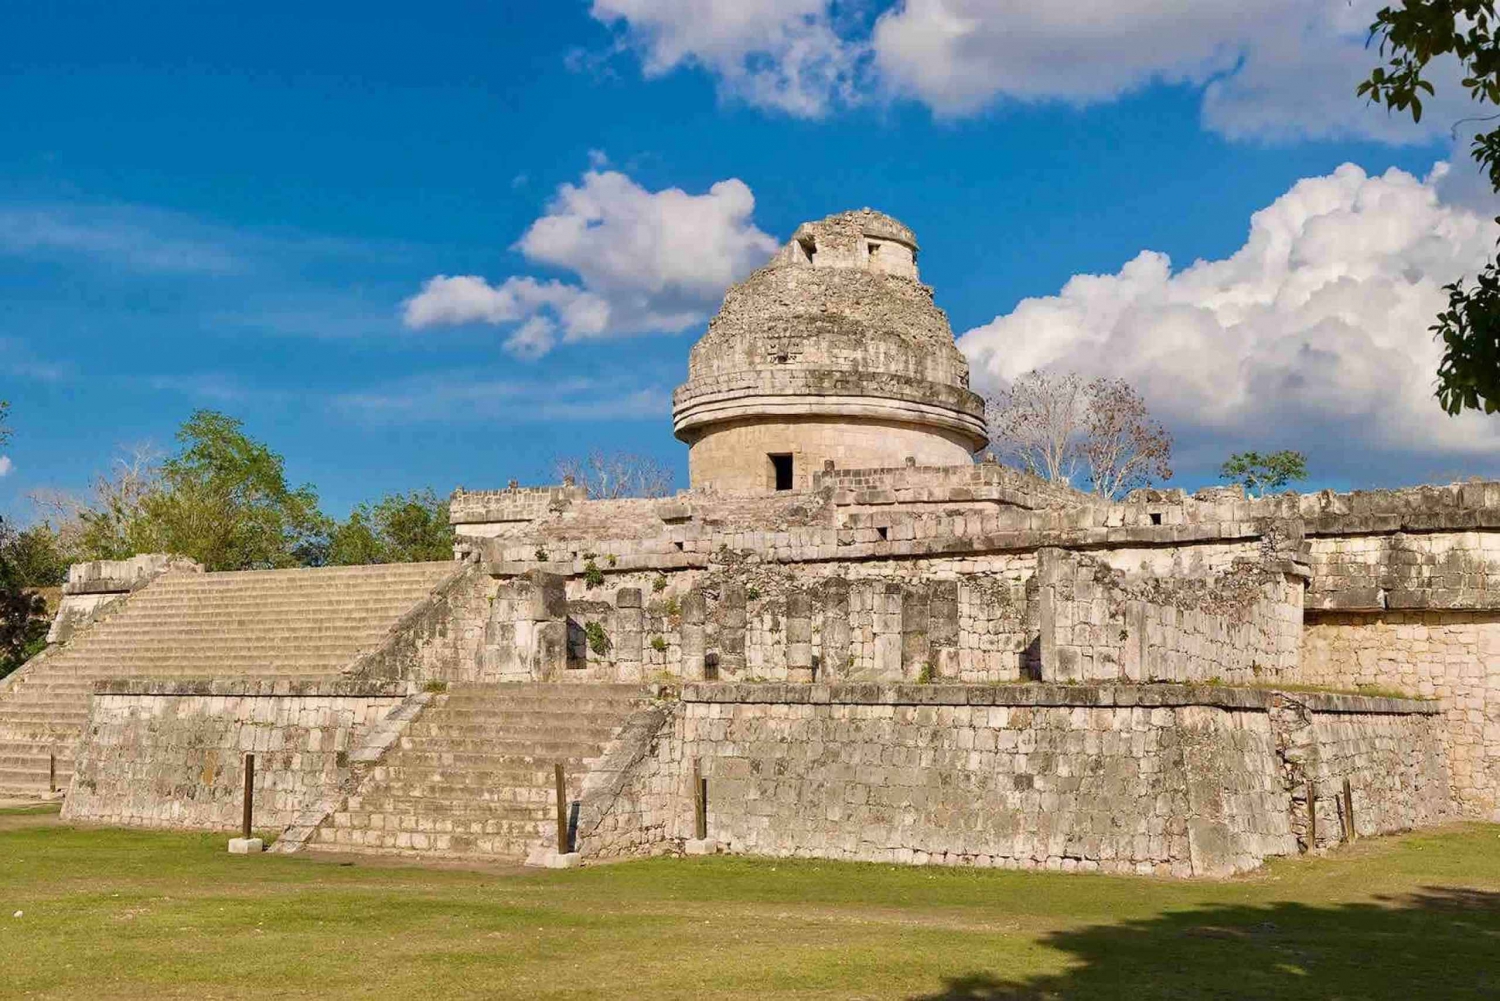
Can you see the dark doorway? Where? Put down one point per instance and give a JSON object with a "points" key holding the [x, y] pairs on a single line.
{"points": [[781, 471]]}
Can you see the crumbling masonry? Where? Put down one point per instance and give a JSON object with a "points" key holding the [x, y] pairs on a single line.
{"points": [[871, 646]]}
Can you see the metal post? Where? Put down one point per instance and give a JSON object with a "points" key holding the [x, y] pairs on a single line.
{"points": [[700, 802], [1312, 815], [249, 795], [1349, 810], [562, 811], [52, 771]]}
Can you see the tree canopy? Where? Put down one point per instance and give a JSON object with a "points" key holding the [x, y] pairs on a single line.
{"points": [[1411, 36], [23, 611], [1262, 473], [400, 528], [222, 498]]}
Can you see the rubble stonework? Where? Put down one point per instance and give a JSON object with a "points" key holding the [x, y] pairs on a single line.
{"points": [[906, 655]]}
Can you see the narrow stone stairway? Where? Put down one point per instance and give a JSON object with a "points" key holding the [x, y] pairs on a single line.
{"points": [[473, 776]]}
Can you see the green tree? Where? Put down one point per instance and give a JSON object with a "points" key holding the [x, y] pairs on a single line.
{"points": [[38, 558], [224, 501], [221, 499], [1412, 34], [23, 612], [1261, 473], [400, 528]]}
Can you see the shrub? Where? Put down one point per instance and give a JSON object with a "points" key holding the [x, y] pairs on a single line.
{"points": [[598, 641], [928, 674], [592, 575], [542, 555], [660, 583], [659, 644]]}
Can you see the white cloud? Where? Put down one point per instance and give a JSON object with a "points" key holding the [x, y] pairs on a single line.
{"points": [[784, 54], [1268, 68], [142, 239], [6, 465], [446, 396], [1314, 333], [644, 260]]}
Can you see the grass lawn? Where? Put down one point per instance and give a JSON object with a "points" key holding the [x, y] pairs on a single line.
{"points": [[136, 914]]}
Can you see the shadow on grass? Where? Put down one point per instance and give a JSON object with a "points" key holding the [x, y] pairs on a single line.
{"points": [[1439, 943]]}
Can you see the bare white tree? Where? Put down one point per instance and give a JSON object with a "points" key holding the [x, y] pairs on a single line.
{"points": [[610, 475], [1058, 425], [1038, 423], [1123, 445]]}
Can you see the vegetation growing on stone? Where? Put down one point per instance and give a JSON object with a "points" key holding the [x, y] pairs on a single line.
{"points": [[598, 639]]}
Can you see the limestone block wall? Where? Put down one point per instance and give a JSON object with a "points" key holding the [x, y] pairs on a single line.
{"points": [[1406, 570], [1450, 655], [445, 638], [1163, 779], [1396, 766], [172, 755], [496, 513], [1100, 624]]}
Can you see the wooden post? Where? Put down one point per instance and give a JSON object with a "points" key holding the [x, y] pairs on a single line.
{"points": [[1312, 815], [562, 811], [249, 795], [700, 802], [52, 771], [1349, 810]]}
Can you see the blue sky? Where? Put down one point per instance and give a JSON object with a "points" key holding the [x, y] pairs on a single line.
{"points": [[205, 206]]}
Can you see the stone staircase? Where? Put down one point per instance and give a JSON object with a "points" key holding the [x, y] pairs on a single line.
{"points": [[301, 625], [473, 775]]}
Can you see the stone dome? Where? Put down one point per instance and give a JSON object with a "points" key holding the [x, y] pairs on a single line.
{"points": [[834, 350]]}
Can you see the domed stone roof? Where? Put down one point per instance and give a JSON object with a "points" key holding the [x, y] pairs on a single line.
{"points": [[837, 325]]}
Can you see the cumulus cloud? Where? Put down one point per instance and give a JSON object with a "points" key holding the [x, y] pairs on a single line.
{"points": [[1268, 68], [5, 465], [1313, 334], [784, 54], [644, 261]]}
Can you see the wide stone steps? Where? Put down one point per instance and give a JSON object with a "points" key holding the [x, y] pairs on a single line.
{"points": [[481, 754], [282, 625], [492, 739], [474, 774]]}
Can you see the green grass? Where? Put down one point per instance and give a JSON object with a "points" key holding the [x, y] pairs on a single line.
{"points": [[136, 914]]}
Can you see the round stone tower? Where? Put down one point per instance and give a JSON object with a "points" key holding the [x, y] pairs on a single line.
{"points": [[834, 350]]}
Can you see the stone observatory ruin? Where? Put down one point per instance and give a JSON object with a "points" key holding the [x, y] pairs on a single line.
{"points": [[848, 639], [834, 352]]}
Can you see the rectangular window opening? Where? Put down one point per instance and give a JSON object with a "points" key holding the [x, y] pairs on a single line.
{"points": [[874, 249], [1156, 517], [883, 533], [781, 471]]}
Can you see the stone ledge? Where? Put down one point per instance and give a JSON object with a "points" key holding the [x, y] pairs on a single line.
{"points": [[240, 688], [1073, 696]]}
